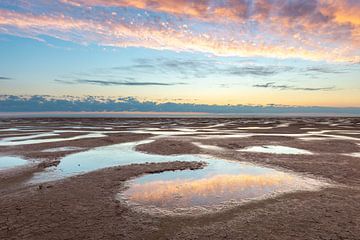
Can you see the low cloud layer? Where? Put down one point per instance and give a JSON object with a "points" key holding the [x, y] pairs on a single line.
{"points": [[114, 83], [314, 29], [36, 103], [273, 85], [5, 78]]}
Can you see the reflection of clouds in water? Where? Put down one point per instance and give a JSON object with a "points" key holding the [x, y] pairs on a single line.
{"points": [[311, 135], [210, 191], [23, 141], [275, 150], [62, 149], [43, 137], [357, 154], [208, 147]]}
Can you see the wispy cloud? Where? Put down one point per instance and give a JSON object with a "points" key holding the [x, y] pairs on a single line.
{"points": [[258, 70], [114, 83], [196, 68], [318, 29], [324, 70], [189, 69], [273, 85], [5, 78]]}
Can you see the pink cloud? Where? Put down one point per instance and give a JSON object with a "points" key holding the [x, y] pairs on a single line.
{"points": [[317, 29]]}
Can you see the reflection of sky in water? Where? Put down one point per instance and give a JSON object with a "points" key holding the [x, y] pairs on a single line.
{"points": [[214, 167], [218, 182], [356, 154], [169, 192], [208, 147], [7, 162], [275, 150], [102, 157], [25, 140], [62, 149]]}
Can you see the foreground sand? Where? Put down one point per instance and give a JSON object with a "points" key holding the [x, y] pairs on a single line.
{"points": [[85, 207]]}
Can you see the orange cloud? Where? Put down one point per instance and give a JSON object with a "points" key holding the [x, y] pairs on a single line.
{"points": [[344, 11], [316, 32], [184, 7]]}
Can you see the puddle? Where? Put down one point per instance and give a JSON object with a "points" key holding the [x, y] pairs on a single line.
{"points": [[171, 132], [254, 128], [25, 140], [312, 135], [102, 157], [7, 162], [275, 150], [9, 129], [32, 136], [208, 147], [20, 130], [283, 125], [85, 127], [63, 149], [357, 154], [219, 185]]}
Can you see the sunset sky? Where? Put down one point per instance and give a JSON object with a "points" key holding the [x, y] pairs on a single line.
{"points": [[290, 52]]}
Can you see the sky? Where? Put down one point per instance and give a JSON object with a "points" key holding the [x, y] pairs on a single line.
{"points": [[248, 52]]}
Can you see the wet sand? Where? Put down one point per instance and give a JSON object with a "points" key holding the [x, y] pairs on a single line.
{"points": [[85, 206]]}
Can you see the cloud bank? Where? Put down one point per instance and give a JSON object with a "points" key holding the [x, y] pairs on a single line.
{"points": [[36, 103], [313, 29]]}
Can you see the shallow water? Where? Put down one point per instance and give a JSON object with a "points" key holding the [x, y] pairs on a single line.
{"points": [[215, 185], [174, 132], [254, 128], [25, 140], [283, 125], [62, 149], [7, 162], [218, 183], [26, 137], [312, 135], [356, 154], [102, 157], [9, 129], [275, 150], [208, 147]]}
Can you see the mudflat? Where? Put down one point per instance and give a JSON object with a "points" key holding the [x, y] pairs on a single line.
{"points": [[84, 204]]}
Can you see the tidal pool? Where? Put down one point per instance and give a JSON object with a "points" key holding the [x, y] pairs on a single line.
{"points": [[25, 140], [208, 147], [220, 184], [356, 154], [62, 149], [7, 162], [275, 150], [102, 157]]}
